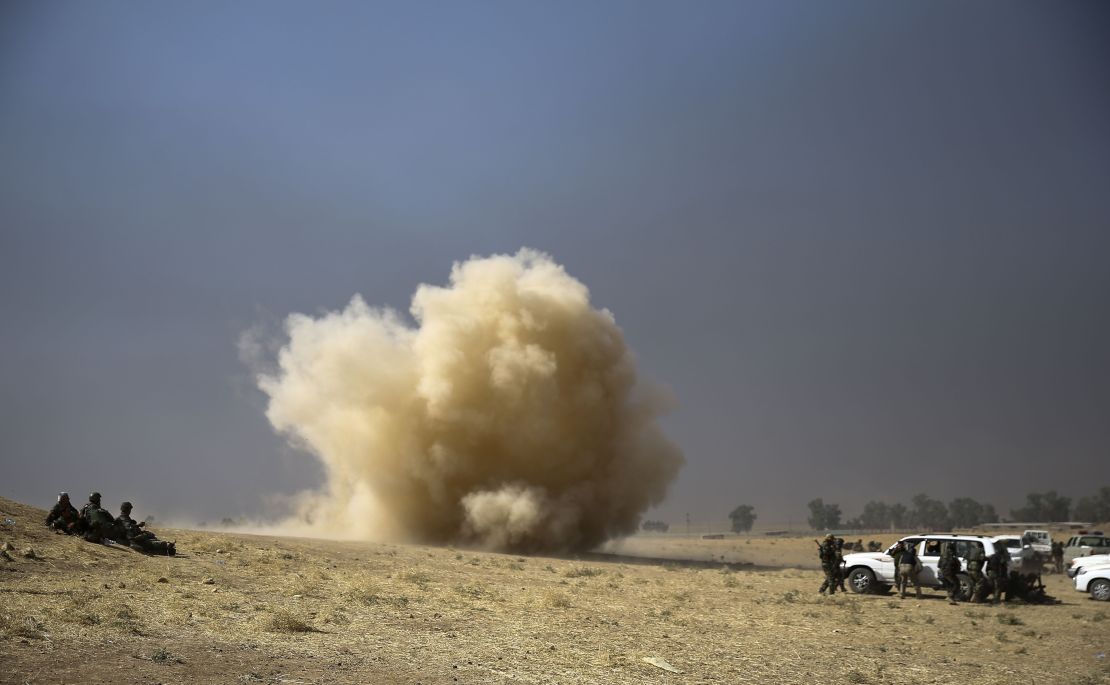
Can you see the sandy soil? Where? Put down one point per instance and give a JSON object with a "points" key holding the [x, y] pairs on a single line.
{"points": [[257, 609]]}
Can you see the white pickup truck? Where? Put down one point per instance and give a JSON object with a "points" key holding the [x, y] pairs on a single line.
{"points": [[1086, 544], [1079, 562], [1095, 579], [873, 572], [1039, 540]]}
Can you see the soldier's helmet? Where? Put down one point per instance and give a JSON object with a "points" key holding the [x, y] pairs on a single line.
{"points": [[125, 507], [830, 536], [63, 496], [94, 497]]}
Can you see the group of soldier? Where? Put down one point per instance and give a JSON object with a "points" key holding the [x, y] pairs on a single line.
{"points": [[96, 524], [986, 574]]}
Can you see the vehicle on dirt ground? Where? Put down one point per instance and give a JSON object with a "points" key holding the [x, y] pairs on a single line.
{"points": [[1039, 540], [1086, 545], [873, 572], [1094, 579], [1079, 562]]}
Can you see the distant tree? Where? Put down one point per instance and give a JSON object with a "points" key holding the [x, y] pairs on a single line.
{"points": [[989, 514], [965, 512], [656, 526], [875, 515], [1094, 508], [928, 513], [899, 516], [1043, 506], [1056, 507], [816, 514], [823, 516], [742, 517]]}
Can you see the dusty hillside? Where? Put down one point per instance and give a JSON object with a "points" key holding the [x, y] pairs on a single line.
{"points": [[238, 608]]}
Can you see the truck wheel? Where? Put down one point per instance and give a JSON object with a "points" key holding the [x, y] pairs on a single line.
{"points": [[862, 580], [1100, 589]]}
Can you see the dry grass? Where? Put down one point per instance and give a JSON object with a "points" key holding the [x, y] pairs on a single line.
{"points": [[285, 622], [295, 610]]}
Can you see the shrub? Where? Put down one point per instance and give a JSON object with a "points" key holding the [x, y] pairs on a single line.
{"points": [[284, 622], [583, 572]]}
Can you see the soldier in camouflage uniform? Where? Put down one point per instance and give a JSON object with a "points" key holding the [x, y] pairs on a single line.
{"points": [[908, 567], [138, 539], [975, 559], [64, 517], [948, 566], [997, 571], [840, 564], [99, 524], [827, 552], [896, 554], [1058, 557]]}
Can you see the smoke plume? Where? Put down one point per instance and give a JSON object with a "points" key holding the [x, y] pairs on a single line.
{"points": [[509, 417]]}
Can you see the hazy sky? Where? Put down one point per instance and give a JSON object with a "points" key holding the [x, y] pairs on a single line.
{"points": [[865, 244]]}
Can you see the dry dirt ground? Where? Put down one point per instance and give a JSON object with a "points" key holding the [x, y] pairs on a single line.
{"points": [[260, 609]]}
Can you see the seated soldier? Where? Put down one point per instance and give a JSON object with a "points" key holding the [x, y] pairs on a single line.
{"points": [[64, 518], [99, 524], [141, 540], [1035, 591]]}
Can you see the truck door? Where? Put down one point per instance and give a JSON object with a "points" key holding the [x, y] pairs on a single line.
{"points": [[930, 556]]}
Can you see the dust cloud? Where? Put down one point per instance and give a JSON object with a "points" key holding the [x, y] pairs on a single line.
{"points": [[510, 417]]}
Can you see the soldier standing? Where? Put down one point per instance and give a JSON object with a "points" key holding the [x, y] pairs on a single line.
{"points": [[1058, 556], [997, 571], [949, 567], [975, 559], [827, 552], [840, 564], [896, 554], [908, 566]]}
